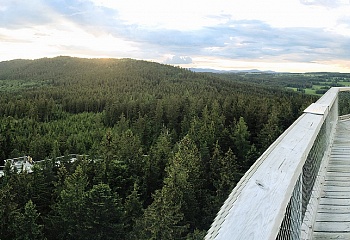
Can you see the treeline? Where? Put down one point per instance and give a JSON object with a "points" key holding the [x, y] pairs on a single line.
{"points": [[165, 146], [291, 80]]}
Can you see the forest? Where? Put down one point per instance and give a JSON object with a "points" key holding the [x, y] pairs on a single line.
{"points": [[163, 146]]}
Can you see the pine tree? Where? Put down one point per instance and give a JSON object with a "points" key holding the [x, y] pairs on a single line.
{"points": [[241, 141], [71, 205], [102, 214], [163, 219], [128, 149], [228, 174], [55, 150], [8, 210], [26, 226], [270, 131], [157, 160], [133, 212]]}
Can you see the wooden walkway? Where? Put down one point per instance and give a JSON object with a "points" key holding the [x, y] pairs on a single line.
{"points": [[333, 215]]}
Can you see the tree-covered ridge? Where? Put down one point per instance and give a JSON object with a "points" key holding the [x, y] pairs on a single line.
{"points": [[165, 145]]}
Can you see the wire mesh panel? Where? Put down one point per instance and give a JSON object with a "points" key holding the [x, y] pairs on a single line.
{"points": [[290, 227], [312, 165], [295, 212], [313, 161]]}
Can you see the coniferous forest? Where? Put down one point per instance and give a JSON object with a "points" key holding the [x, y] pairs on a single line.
{"points": [[164, 146]]}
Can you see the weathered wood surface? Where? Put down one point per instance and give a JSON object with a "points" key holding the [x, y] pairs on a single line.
{"points": [[329, 236], [263, 199], [333, 215]]}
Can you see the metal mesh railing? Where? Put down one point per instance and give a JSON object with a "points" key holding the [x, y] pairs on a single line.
{"points": [[312, 165], [295, 212], [313, 161], [290, 227]]}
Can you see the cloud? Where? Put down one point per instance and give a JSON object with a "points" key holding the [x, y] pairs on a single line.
{"points": [[178, 60], [18, 14], [233, 39], [229, 38], [326, 3], [242, 30], [85, 13]]}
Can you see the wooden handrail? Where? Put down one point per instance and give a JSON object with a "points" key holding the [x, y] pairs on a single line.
{"points": [[257, 205]]}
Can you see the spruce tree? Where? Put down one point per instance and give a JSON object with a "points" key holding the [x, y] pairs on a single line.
{"points": [[26, 226]]}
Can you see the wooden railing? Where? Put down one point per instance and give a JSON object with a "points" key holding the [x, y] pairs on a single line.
{"points": [[278, 197]]}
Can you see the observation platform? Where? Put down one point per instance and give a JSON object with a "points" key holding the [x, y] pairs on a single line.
{"points": [[299, 188], [333, 214]]}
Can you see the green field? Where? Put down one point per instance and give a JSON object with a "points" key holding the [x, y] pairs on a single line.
{"points": [[320, 86], [310, 91]]}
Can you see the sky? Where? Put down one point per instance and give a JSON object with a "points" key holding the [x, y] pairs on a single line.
{"points": [[277, 35]]}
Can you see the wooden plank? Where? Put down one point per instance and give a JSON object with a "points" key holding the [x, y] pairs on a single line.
{"points": [[333, 217], [333, 209], [343, 157], [340, 156], [335, 175], [330, 236], [317, 108], [339, 165], [337, 178], [337, 186], [344, 89], [334, 201], [338, 169], [340, 161], [344, 167], [338, 195], [332, 227], [334, 189], [329, 97]]}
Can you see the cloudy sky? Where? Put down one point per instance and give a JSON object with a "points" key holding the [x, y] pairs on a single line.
{"points": [[279, 35]]}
